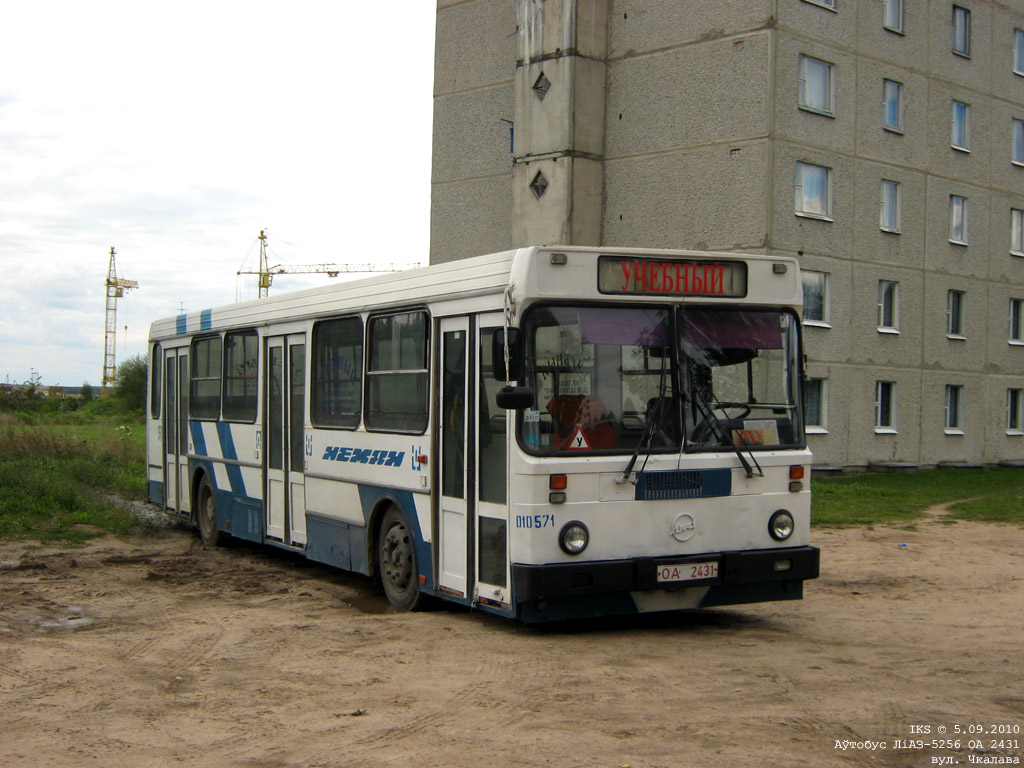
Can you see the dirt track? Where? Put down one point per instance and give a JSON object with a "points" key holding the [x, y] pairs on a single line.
{"points": [[156, 652]]}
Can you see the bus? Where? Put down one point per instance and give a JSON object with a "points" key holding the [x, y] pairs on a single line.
{"points": [[546, 433]]}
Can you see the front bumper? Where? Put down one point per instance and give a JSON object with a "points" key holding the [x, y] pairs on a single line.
{"points": [[588, 578]]}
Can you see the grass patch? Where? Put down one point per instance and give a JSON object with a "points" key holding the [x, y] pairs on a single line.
{"points": [[869, 498], [55, 479]]}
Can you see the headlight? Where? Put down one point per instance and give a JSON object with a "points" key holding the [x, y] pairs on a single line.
{"points": [[781, 525], [574, 538]]}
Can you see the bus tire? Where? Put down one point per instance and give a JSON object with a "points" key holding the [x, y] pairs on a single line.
{"points": [[396, 562], [206, 515]]}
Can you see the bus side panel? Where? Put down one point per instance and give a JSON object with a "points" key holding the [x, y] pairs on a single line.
{"points": [[240, 516], [373, 498]]}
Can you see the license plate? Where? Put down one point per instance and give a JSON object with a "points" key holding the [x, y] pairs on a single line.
{"points": [[687, 571]]}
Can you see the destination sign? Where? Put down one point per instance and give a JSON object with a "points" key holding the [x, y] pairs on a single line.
{"points": [[661, 277]]}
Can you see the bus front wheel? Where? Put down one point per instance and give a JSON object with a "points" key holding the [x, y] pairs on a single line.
{"points": [[396, 560], [206, 515]]}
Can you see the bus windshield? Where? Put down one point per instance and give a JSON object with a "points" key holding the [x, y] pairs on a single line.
{"points": [[618, 379]]}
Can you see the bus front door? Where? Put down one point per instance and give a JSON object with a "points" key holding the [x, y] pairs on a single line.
{"points": [[490, 490], [284, 431], [472, 549], [175, 428], [454, 513]]}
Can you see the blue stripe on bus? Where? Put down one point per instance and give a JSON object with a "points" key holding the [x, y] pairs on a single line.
{"points": [[198, 438], [181, 326], [228, 452], [206, 320]]}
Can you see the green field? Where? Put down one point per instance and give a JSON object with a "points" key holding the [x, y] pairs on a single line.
{"points": [[57, 474], [994, 495]]}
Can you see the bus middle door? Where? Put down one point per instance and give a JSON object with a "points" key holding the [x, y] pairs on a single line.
{"points": [[285, 430]]}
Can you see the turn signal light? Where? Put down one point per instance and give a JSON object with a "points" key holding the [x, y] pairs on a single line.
{"points": [[797, 472], [558, 482]]}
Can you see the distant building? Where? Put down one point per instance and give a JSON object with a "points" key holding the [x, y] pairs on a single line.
{"points": [[881, 142]]}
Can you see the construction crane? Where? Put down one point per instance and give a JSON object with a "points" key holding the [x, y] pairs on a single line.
{"points": [[266, 272], [116, 288]]}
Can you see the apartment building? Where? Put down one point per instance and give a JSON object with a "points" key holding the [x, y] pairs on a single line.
{"points": [[880, 142]]}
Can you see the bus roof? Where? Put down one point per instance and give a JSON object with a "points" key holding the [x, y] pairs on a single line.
{"points": [[526, 269]]}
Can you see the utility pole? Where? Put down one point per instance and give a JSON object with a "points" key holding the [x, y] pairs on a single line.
{"points": [[116, 288]]}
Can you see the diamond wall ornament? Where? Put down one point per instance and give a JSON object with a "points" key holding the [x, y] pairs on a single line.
{"points": [[539, 185]]}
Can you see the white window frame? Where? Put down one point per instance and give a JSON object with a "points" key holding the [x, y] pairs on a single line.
{"points": [[960, 126], [1015, 411], [961, 26], [892, 15], [1018, 51], [885, 391], [1017, 151], [890, 217], [1017, 232], [825, 320], [956, 314], [959, 220], [954, 409], [1016, 336], [828, 4], [888, 306], [801, 200], [892, 94], [808, 65], [822, 427]]}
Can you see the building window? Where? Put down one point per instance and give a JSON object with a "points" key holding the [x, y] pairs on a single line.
{"points": [[892, 18], [816, 298], [955, 326], [1018, 142], [888, 306], [813, 191], [1018, 51], [1014, 409], [885, 406], [892, 106], [891, 215], [961, 31], [1017, 321], [958, 219], [830, 4], [954, 409], [816, 86], [816, 405], [961, 126], [1017, 232]]}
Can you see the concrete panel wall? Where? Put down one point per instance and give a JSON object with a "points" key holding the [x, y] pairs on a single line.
{"points": [[794, 124], [947, 257], [710, 197], [791, 232], [908, 147], [871, 243], [721, 83], [642, 26]]}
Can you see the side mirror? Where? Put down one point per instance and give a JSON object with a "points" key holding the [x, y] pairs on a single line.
{"points": [[515, 354], [514, 398]]}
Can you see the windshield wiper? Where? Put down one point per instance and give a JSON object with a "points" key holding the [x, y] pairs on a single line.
{"points": [[720, 434], [650, 427]]}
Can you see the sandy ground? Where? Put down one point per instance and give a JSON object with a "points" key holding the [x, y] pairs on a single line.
{"points": [[152, 651]]}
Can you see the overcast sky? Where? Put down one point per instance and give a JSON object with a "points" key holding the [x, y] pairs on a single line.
{"points": [[175, 132]]}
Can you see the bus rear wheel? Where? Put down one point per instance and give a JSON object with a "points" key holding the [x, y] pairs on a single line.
{"points": [[396, 561], [206, 515]]}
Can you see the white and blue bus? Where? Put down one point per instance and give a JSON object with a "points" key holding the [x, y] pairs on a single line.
{"points": [[546, 433]]}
